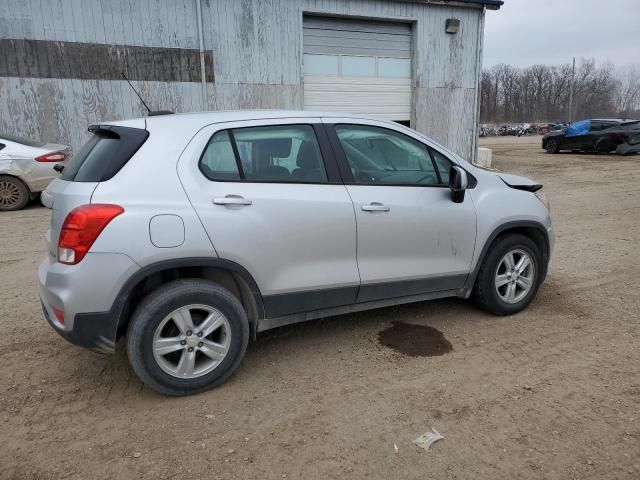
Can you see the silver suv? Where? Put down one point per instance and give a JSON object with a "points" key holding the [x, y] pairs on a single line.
{"points": [[188, 234]]}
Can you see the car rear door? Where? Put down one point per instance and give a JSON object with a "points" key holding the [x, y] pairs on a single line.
{"points": [[412, 239], [270, 197]]}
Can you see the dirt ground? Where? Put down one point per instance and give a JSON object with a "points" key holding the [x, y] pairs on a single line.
{"points": [[553, 392]]}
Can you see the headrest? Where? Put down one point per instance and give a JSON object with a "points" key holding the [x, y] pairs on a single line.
{"points": [[307, 156], [273, 172]]}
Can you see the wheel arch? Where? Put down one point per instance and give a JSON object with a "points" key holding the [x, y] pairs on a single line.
{"points": [[226, 273], [534, 230], [4, 173]]}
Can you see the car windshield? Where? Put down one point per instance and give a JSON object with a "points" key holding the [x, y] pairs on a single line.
{"points": [[21, 140]]}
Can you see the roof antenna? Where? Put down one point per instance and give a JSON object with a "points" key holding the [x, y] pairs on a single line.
{"points": [[136, 92]]}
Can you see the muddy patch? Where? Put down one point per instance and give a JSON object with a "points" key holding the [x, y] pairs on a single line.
{"points": [[415, 340]]}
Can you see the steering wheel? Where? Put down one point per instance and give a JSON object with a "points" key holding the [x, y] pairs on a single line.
{"points": [[360, 176]]}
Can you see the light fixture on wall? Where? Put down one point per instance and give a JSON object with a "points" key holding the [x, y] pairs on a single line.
{"points": [[452, 26]]}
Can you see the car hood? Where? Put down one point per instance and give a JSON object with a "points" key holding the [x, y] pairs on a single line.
{"points": [[520, 183], [555, 133]]}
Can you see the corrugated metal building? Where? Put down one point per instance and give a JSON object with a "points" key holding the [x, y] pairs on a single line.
{"points": [[61, 62]]}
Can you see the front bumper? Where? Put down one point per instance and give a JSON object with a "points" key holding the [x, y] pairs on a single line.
{"points": [[87, 294]]}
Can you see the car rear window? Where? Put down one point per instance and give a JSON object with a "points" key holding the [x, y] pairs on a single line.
{"points": [[104, 154], [21, 140], [273, 153]]}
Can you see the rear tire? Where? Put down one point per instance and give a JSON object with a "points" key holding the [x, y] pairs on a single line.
{"points": [[604, 146], [552, 146], [14, 194], [196, 360], [495, 279]]}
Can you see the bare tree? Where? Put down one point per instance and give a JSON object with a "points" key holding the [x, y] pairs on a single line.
{"points": [[540, 93], [628, 92]]}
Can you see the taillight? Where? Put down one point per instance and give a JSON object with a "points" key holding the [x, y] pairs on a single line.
{"points": [[59, 315], [51, 157], [81, 228]]}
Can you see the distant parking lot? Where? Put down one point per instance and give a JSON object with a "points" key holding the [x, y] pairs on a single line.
{"points": [[553, 392]]}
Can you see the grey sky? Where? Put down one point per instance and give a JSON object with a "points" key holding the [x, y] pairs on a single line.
{"points": [[525, 32]]}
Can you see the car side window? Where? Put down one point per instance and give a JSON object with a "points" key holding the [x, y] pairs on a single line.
{"points": [[2, 145], [379, 156], [218, 161], [443, 164], [281, 153]]}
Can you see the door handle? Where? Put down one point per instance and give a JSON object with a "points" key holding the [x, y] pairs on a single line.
{"points": [[232, 200], [375, 207]]}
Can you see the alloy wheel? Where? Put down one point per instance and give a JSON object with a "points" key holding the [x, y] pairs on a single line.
{"points": [[514, 276], [9, 194], [191, 341]]}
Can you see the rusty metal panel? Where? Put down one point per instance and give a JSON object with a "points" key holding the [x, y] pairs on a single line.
{"points": [[93, 61]]}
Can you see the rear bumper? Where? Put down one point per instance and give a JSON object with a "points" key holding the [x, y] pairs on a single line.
{"points": [[95, 331], [37, 185], [87, 295]]}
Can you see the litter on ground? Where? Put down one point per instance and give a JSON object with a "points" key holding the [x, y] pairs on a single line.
{"points": [[425, 440]]}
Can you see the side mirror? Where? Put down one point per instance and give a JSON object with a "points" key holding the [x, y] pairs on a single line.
{"points": [[457, 183]]}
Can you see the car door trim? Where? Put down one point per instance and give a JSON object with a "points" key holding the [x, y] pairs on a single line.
{"points": [[402, 288], [296, 302], [274, 322], [284, 304]]}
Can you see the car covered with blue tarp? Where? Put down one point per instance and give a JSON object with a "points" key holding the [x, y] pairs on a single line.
{"points": [[596, 135]]}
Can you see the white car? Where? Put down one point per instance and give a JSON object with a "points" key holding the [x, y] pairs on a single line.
{"points": [[191, 233], [27, 168]]}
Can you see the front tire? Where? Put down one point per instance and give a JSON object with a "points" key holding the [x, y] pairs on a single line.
{"points": [[187, 336], [509, 276], [14, 194], [552, 146]]}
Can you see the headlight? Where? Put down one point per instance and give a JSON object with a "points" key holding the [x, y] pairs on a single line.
{"points": [[540, 196]]}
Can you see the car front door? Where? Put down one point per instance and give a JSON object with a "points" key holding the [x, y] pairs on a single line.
{"points": [[271, 199], [412, 238], [582, 138]]}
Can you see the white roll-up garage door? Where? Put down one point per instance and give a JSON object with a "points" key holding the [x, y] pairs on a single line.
{"points": [[357, 66]]}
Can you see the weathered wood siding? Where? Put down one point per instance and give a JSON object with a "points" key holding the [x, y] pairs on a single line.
{"points": [[257, 60]]}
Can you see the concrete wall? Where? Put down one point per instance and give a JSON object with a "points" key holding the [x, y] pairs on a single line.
{"points": [[257, 61]]}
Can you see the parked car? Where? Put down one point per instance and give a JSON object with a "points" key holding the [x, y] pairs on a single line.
{"points": [[541, 128], [554, 127], [188, 234], [596, 135], [26, 168]]}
